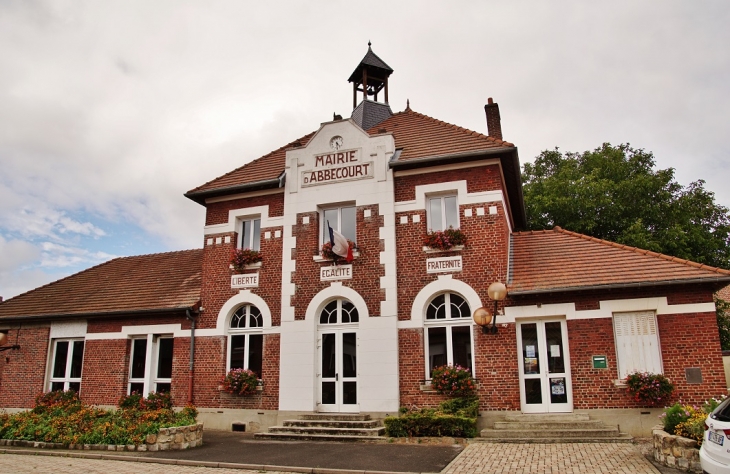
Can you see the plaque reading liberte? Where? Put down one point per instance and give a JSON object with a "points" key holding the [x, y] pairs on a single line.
{"points": [[335, 272], [246, 280], [443, 264]]}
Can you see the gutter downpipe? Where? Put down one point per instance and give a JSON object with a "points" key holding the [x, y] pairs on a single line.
{"points": [[191, 369]]}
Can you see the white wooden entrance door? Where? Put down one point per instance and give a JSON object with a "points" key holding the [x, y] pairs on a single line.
{"points": [[338, 370], [545, 385]]}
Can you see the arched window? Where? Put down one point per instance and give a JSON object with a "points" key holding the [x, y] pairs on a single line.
{"points": [[448, 332], [339, 311], [245, 340]]}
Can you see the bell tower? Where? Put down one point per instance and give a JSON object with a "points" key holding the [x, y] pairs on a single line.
{"points": [[370, 77]]}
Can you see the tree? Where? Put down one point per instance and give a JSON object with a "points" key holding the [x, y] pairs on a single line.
{"points": [[722, 310], [614, 193]]}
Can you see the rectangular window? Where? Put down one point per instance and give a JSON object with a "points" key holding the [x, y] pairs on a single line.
{"points": [[449, 345], [443, 212], [637, 343], [250, 234], [150, 366], [68, 357], [241, 358], [341, 219]]}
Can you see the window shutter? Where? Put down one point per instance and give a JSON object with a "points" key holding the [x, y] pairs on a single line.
{"points": [[637, 343]]}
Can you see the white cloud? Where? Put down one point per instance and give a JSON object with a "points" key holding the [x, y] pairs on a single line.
{"points": [[110, 111]]}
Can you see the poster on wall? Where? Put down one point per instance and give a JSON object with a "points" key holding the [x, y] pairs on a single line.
{"points": [[529, 351]]}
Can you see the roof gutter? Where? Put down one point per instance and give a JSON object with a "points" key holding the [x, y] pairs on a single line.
{"points": [[139, 312], [201, 196], [618, 286], [450, 156]]}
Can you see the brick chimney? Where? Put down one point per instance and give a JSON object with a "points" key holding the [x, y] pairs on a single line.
{"points": [[494, 124]]}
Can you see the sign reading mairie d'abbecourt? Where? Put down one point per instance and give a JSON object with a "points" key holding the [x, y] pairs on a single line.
{"points": [[337, 166]]}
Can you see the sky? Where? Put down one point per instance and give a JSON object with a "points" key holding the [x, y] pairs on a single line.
{"points": [[110, 111]]}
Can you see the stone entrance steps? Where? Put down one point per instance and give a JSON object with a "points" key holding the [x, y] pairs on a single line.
{"points": [[552, 428], [320, 427]]}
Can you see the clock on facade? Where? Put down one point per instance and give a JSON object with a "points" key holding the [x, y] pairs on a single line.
{"points": [[336, 142]]}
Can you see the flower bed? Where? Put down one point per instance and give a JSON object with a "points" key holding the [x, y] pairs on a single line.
{"points": [[61, 419]]}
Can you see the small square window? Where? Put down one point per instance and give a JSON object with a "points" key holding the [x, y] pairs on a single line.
{"points": [[443, 212]]}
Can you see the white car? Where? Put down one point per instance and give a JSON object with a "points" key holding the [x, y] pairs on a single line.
{"points": [[715, 450]]}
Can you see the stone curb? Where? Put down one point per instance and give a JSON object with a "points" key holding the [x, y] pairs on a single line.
{"points": [[187, 462]]}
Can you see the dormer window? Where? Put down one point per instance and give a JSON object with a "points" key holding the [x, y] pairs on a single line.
{"points": [[250, 234], [443, 212]]}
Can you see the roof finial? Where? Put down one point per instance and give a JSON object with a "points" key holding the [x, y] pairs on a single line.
{"points": [[369, 43], [408, 104]]}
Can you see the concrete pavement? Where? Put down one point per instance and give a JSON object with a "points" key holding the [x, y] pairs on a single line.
{"points": [[231, 453]]}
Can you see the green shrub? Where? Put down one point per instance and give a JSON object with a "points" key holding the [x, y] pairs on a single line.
{"points": [[673, 416], [456, 417]]}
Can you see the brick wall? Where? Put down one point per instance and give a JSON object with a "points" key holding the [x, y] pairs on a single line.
{"points": [[105, 372], [480, 178], [366, 268], [680, 348], [24, 370], [210, 367], [217, 213]]}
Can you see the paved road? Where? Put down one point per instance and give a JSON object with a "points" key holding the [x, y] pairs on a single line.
{"points": [[474, 459]]}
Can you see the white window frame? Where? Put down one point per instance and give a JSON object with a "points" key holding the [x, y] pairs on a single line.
{"points": [[636, 351], [447, 323], [252, 243], [441, 197], [247, 332], [150, 380], [67, 380], [324, 235]]}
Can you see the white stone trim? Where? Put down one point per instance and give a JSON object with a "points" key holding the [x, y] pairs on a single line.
{"points": [[454, 166], [336, 290], [606, 309], [445, 283], [457, 187], [233, 197], [236, 215], [243, 297], [68, 329]]}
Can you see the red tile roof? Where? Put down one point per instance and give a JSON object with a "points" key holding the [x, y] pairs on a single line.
{"points": [[418, 136], [552, 260], [156, 282], [421, 136]]}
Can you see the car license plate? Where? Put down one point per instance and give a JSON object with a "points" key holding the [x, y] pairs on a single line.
{"points": [[715, 437]]}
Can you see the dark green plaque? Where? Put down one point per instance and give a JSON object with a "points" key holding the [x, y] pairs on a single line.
{"points": [[600, 362]]}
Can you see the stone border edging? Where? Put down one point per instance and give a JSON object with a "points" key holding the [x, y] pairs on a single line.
{"points": [[675, 451], [186, 462], [172, 438]]}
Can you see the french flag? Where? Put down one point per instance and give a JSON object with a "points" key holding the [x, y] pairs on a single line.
{"points": [[340, 245]]}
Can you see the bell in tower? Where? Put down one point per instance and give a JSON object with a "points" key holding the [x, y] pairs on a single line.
{"points": [[370, 77]]}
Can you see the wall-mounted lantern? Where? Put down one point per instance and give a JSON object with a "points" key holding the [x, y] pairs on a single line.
{"points": [[4, 340], [497, 291]]}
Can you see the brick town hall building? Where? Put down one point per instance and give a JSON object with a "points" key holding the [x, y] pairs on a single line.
{"points": [[579, 315]]}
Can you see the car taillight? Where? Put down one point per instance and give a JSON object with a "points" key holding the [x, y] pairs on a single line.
{"points": [[727, 432], [706, 427]]}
